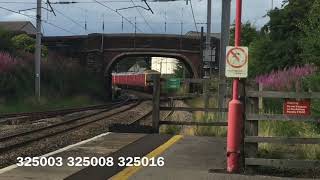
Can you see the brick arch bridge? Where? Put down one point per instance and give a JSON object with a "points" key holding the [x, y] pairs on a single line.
{"points": [[99, 52]]}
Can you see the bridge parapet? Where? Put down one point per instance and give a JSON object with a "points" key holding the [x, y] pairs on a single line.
{"points": [[97, 51]]}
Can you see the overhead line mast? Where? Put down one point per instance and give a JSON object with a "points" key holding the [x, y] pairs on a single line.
{"points": [[194, 19], [118, 14], [38, 51], [145, 20]]}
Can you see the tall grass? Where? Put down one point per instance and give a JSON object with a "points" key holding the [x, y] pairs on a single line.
{"points": [[287, 79], [61, 79], [291, 79], [207, 118], [289, 129], [7, 62]]}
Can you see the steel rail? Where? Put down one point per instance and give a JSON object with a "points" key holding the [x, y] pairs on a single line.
{"points": [[5, 138], [33, 116], [20, 144], [58, 111]]}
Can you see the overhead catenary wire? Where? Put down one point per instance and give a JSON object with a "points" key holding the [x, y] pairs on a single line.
{"points": [[64, 15], [90, 2], [95, 20], [140, 24], [48, 3], [111, 1], [144, 18], [194, 19], [145, 1], [118, 14], [32, 17], [48, 10], [69, 18], [82, 2]]}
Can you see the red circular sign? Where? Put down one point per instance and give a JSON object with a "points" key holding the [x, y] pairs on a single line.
{"points": [[237, 57]]}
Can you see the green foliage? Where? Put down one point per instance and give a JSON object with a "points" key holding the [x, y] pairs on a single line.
{"points": [[312, 83], [290, 38], [258, 62], [16, 79], [279, 43], [182, 71], [249, 34], [5, 41], [179, 71], [26, 43], [283, 24], [170, 129], [310, 41], [288, 129], [59, 78]]}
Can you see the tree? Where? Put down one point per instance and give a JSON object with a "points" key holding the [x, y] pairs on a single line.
{"points": [[5, 41], [179, 71], [278, 45], [249, 33], [310, 40], [26, 43]]}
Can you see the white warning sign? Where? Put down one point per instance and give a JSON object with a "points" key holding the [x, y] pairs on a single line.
{"points": [[237, 62]]}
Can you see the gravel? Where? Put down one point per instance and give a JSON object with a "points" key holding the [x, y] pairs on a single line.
{"points": [[74, 136]]}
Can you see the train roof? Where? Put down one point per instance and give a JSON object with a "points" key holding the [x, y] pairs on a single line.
{"points": [[136, 73]]}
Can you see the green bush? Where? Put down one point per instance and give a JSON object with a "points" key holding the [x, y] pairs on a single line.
{"points": [[5, 41], [312, 83], [60, 77], [25, 43]]}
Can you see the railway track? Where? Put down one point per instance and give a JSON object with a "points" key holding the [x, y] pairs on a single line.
{"points": [[21, 139], [32, 116]]}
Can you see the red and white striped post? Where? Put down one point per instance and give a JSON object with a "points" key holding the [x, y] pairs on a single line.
{"points": [[235, 119]]}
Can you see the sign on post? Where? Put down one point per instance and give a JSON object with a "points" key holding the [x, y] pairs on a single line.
{"points": [[292, 107], [173, 83], [237, 62]]}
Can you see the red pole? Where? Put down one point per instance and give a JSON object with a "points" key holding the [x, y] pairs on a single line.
{"points": [[235, 120]]}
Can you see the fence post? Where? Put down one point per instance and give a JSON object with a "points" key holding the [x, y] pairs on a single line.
{"points": [[260, 98], [242, 94], [251, 127], [156, 103], [206, 96]]}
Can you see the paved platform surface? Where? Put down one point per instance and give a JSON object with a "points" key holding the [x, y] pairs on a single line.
{"points": [[99, 147], [193, 158], [185, 158]]}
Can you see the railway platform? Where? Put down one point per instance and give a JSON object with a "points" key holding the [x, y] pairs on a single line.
{"points": [[184, 157]]}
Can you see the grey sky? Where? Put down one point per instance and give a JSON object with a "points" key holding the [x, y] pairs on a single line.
{"points": [[176, 12]]}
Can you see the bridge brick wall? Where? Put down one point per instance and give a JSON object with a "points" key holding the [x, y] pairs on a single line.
{"points": [[90, 51], [100, 52]]}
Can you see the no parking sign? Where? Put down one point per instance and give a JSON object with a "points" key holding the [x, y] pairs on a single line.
{"points": [[237, 62]]}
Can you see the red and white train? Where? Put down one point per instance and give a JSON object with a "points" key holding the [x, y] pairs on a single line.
{"points": [[135, 80]]}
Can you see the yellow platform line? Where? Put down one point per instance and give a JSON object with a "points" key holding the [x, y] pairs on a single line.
{"points": [[129, 171]]}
